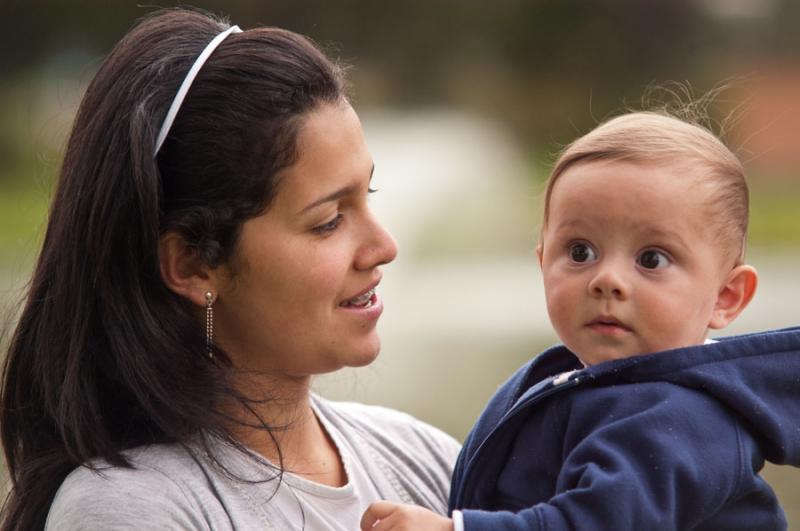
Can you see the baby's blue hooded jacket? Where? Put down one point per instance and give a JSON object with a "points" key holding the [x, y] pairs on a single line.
{"points": [[670, 440]]}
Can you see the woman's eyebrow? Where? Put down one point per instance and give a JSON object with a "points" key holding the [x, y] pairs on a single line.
{"points": [[338, 194]]}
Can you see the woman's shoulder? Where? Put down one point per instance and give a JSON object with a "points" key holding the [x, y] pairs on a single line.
{"points": [[158, 490]]}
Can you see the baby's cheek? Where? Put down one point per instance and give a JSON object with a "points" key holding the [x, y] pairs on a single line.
{"points": [[675, 326], [560, 307]]}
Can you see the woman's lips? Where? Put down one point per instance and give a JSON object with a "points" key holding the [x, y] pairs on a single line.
{"points": [[366, 304], [370, 309], [363, 298]]}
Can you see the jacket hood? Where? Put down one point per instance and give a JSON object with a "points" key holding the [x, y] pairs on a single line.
{"points": [[757, 376]]}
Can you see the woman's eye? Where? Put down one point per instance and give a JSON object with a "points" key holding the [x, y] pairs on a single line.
{"points": [[329, 226], [652, 259], [581, 252]]}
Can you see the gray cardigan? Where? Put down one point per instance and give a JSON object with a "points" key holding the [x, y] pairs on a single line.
{"points": [[169, 488]]}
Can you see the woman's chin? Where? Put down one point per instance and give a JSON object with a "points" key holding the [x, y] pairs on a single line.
{"points": [[364, 354]]}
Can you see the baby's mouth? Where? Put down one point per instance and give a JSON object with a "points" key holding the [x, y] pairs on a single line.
{"points": [[608, 324]]}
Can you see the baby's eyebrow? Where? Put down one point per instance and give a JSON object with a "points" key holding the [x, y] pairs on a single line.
{"points": [[573, 224], [649, 233], [664, 234]]}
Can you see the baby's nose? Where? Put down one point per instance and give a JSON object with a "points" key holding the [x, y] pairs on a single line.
{"points": [[609, 282]]}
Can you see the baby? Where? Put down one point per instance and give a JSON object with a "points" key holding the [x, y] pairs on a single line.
{"points": [[637, 421]]}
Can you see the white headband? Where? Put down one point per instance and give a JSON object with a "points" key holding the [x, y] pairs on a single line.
{"points": [[187, 83]]}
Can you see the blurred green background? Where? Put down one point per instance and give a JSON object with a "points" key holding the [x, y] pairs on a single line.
{"points": [[464, 105]]}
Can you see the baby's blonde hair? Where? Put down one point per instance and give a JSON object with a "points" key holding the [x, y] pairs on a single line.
{"points": [[660, 138]]}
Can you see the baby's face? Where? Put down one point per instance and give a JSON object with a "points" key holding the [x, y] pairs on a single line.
{"points": [[629, 260]]}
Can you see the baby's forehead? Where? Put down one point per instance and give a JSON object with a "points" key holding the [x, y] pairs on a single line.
{"points": [[658, 198], [658, 181]]}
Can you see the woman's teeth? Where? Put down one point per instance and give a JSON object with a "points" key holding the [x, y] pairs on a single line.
{"points": [[363, 301]]}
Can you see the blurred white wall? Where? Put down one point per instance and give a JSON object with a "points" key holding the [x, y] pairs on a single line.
{"points": [[464, 302]]}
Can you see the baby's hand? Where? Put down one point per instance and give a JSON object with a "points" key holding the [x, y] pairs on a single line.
{"points": [[383, 516]]}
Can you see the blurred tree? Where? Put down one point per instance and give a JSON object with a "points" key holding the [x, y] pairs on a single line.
{"points": [[547, 67]]}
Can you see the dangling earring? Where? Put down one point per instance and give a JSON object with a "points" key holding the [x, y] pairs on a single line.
{"points": [[209, 324]]}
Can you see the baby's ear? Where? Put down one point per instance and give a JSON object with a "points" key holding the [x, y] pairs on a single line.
{"points": [[539, 250], [734, 296]]}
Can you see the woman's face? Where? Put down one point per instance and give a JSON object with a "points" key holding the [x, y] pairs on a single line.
{"points": [[299, 297]]}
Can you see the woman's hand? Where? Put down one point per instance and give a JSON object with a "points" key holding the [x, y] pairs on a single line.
{"points": [[385, 516]]}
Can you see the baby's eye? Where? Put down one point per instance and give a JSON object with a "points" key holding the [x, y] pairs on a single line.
{"points": [[652, 259], [581, 252]]}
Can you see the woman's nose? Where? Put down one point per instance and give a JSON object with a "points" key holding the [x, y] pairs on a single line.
{"points": [[609, 282], [379, 246]]}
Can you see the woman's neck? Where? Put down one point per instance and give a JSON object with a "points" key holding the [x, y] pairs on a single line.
{"points": [[299, 442]]}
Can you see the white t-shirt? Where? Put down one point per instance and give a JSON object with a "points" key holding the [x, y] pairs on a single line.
{"points": [[301, 500]]}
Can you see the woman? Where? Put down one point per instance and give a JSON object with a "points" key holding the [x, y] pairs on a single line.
{"points": [[209, 249]]}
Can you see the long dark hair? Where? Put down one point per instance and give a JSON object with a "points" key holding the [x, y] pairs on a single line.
{"points": [[104, 357]]}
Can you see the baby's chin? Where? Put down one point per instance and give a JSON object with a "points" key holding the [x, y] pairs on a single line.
{"points": [[590, 357]]}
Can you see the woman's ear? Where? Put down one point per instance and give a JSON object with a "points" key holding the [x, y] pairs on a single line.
{"points": [[183, 271], [734, 296]]}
